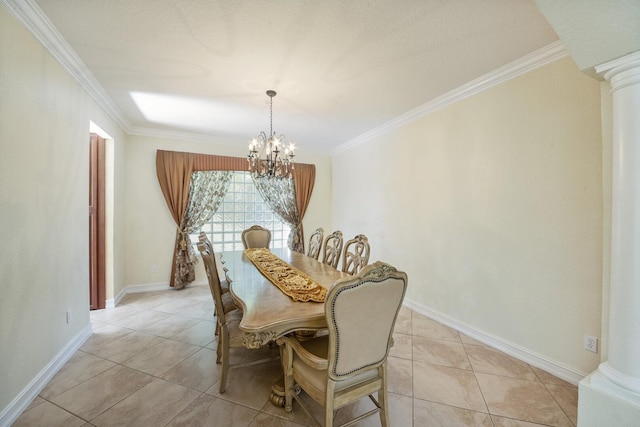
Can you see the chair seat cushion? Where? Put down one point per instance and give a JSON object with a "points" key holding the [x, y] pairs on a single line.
{"points": [[224, 285], [233, 316], [318, 378], [228, 303], [233, 319]]}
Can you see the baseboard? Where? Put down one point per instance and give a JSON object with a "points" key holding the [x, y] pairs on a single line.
{"points": [[149, 287], [513, 350], [30, 392], [134, 289]]}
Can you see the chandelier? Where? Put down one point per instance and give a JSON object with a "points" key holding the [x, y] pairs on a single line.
{"points": [[266, 157]]}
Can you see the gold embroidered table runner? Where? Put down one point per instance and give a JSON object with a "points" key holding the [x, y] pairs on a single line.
{"points": [[288, 279]]}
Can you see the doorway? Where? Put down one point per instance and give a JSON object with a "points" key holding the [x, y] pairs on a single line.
{"points": [[97, 211]]}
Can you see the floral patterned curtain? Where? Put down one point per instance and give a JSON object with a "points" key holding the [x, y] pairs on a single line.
{"points": [[280, 195], [206, 191]]}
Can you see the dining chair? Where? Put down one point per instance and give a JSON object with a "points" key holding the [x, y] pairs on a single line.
{"points": [[227, 322], [224, 283], [228, 303], [256, 237], [356, 254], [332, 249], [315, 243], [351, 361]]}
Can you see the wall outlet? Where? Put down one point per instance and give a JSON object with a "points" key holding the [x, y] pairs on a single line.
{"points": [[68, 317], [154, 269], [591, 343]]}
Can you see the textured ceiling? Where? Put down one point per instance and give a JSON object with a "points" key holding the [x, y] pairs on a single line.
{"points": [[340, 68]]}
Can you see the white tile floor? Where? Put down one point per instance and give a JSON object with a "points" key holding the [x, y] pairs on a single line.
{"points": [[151, 362]]}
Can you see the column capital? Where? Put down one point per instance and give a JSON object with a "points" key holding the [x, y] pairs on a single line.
{"points": [[621, 72]]}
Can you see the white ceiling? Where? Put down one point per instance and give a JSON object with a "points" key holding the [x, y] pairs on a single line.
{"points": [[340, 67]]}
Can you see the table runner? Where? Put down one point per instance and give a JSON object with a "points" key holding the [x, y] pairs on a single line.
{"points": [[288, 279]]}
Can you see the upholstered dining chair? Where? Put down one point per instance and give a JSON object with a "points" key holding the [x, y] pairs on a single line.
{"points": [[227, 321], [256, 237], [228, 303], [203, 238], [351, 361], [315, 243], [356, 254], [332, 249]]}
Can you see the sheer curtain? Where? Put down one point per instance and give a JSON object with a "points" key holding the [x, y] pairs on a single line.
{"points": [[289, 199], [280, 195], [206, 191]]}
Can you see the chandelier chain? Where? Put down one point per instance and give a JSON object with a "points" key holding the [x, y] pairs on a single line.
{"points": [[271, 114]]}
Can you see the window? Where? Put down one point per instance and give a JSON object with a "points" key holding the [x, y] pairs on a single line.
{"points": [[241, 208]]}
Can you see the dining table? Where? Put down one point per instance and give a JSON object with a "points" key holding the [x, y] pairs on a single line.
{"points": [[268, 313]]}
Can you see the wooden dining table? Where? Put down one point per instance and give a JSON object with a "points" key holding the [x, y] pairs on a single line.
{"points": [[267, 312]]}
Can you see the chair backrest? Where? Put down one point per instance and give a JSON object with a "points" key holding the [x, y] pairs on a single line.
{"points": [[205, 240], [356, 254], [256, 237], [214, 280], [361, 313], [332, 249], [315, 243]]}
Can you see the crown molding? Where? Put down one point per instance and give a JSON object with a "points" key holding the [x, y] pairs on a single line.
{"points": [[536, 59], [180, 135], [34, 19]]}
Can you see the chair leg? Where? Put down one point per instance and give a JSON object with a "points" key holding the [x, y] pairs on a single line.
{"points": [[218, 347], [328, 404], [224, 337], [382, 396]]}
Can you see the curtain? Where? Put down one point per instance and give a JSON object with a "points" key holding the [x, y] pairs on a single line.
{"points": [[280, 195], [305, 177], [289, 199], [206, 191], [174, 175]]}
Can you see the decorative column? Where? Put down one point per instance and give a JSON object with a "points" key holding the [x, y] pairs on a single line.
{"points": [[611, 395]]}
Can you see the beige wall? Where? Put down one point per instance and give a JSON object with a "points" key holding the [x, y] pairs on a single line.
{"points": [[44, 153], [150, 229], [494, 207]]}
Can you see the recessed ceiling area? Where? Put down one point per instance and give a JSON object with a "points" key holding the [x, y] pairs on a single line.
{"points": [[341, 68]]}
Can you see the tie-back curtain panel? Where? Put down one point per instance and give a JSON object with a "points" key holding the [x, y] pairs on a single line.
{"points": [[174, 175], [304, 176], [174, 170], [280, 195], [206, 192]]}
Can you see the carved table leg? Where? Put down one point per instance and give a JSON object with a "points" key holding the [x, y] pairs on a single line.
{"points": [[277, 393]]}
